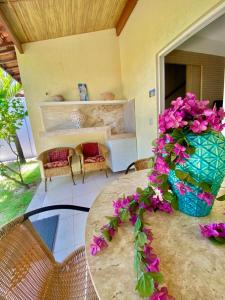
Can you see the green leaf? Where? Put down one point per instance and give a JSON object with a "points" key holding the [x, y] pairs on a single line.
{"points": [[221, 198], [174, 203], [150, 163], [190, 150], [138, 225], [168, 196], [169, 147], [124, 214], [157, 276], [217, 240], [141, 239], [137, 261], [106, 234], [181, 175], [139, 190], [206, 187], [145, 285], [191, 180]]}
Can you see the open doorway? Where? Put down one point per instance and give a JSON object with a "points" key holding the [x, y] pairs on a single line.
{"points": [[175, 82], [195, 77], [202, 59]]}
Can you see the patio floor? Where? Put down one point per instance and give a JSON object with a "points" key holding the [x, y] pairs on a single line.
{"points": [[71, 226]]}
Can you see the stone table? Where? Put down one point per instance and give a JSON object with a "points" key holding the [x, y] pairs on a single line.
{"points": [[193, 268]]}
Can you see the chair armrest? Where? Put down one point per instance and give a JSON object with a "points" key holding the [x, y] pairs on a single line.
{"points": [[43, 157], [70, 156], [103, 150], [53, 207]]}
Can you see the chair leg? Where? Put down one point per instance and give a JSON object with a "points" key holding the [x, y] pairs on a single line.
{"points": [[106, 173], [46, 184], [50, 178], [72, 175], [83, 176]]}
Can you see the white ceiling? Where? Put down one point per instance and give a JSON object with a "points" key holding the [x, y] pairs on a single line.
{"points": [[210, 40]]}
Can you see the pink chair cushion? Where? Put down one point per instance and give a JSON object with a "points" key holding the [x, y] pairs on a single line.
{"points": [[56, 164], [58, 155], [94, 159]]}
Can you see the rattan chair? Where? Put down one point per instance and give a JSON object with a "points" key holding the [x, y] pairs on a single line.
{"points": [[56, 171], [28, 270], [92, 166], [140, 164]]}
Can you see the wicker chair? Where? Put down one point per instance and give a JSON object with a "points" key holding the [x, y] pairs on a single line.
{"points": [[140, 164], [88, 162], [28, 270], [63, 169]]}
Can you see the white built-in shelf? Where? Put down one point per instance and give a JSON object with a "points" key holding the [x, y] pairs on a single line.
{"points": [[93, 102], [75, 131]]}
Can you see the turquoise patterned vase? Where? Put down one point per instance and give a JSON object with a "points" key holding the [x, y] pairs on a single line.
{"points": [[206, 164]]}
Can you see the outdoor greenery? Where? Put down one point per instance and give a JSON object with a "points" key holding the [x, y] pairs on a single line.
{"points": [[12, 114], [14, 198]]}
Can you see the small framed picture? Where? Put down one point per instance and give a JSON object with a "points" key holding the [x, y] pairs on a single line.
{"points": [[83, 91]]}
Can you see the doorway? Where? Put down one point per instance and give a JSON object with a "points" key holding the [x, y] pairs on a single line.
{"points": [[213, 15]]}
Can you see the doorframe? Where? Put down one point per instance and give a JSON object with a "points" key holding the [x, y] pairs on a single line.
{"points": [[202, 22]]}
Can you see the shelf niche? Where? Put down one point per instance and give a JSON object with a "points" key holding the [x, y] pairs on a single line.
{"points": [[114, 117]]}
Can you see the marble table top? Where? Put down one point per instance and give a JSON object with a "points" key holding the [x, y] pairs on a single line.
{"points": [[193, 268]]}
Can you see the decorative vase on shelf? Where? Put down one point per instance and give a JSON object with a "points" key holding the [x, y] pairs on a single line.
{"points": [[206, 164], [77, 118]]}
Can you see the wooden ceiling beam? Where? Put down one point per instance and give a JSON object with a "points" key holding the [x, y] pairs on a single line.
{"points": [[6, 61], [7, 51], [129, 7], [12, 36], [11, 69]]}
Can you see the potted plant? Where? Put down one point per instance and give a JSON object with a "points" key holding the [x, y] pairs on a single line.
{"points": [[190, 155]]}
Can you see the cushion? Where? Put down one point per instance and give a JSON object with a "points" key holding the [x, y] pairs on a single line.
{"points": [[56, 164], [58, 155], [94, 159], [90, 149]]}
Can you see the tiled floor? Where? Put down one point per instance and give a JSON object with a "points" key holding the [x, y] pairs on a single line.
{"points": [[71, 226]]}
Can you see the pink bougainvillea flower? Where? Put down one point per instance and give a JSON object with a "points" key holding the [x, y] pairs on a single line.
{"points": [[94, 249], [178, 103], [209, 230], [168, 138], [153, 178], [97, 244], [182, 188], [148, 233], [154, 265], [133, 219], [199, 126], [165, 206], [178, 149], [117, 205], [161, 166], [161, 294], [207, 197]]}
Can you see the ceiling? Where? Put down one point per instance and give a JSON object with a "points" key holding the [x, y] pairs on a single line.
{"points": [[8, 60], [24, 21], [209, 40], [36, 20], [214, 31]]}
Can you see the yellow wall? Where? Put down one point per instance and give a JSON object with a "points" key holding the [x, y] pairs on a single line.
{"points": [[57, 66], [100, 59], [151, 26]]}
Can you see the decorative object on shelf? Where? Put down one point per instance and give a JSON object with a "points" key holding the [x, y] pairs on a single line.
{"points": [[190, 154], [57, 98], [77, 118], [83, 91], [107, 96], [215, 232]]}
